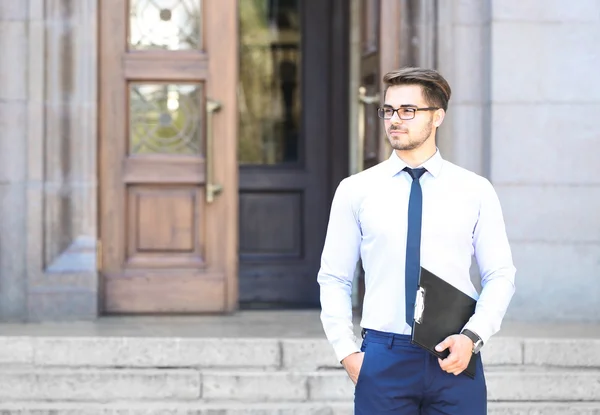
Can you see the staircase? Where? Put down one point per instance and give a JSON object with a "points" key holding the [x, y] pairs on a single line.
{"points": [[42, 375]]}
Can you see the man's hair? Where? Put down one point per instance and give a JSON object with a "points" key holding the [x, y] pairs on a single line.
{"points": [[436, 90]]}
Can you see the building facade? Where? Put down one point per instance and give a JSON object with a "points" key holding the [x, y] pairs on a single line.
{"points": [[181, 156]]}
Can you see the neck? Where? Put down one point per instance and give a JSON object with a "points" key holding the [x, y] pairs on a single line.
{"points": [[414, 158]]}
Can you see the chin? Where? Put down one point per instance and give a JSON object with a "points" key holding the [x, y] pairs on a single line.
{"points": [[399, 145]]}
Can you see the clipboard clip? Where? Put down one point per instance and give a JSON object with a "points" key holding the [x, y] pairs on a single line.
{"points": [[419, 305]]}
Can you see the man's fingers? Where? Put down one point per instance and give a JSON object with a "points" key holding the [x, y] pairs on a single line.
{"points": [[449, 341], [353, 366], [455, 367], [451, 358], [452, 363]]}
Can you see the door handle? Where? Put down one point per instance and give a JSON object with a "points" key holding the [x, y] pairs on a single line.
{"points": [[363, 100], [212, 189]]}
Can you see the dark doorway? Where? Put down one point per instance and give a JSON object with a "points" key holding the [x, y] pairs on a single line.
{"points": [[293, 150]]}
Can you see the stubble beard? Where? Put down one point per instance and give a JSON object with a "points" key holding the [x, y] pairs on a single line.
{"points": [[413, 143]]}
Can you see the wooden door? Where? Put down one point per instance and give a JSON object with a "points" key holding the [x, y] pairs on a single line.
{"points": [[168, 169], [288, 108]]}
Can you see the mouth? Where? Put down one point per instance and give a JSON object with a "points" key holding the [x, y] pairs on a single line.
{"points": [[397, 132]]}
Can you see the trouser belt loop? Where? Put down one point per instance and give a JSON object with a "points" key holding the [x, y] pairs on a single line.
{"points": [[390, 341]]}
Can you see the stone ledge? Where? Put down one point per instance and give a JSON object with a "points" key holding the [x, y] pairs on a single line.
{"points": [[156, 352], [98, 385], [259, 353], [226, 408], [518, 385], [562, 352], [543, 385]]}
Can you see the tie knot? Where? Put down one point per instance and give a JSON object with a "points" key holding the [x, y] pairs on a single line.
{"points": [[416, 173]]}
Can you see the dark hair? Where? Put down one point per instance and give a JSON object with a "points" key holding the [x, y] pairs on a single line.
{"points": [[436, 90]]}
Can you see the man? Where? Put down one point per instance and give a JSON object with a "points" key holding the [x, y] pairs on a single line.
{"points": [[414, 209]]}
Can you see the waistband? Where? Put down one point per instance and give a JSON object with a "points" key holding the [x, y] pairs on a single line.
{"points": [[384, 337]]}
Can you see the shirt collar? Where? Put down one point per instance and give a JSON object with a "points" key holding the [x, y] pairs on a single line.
{"points": [[433, 164]]}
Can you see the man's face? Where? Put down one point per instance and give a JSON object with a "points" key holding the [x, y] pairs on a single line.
{"points": [[406, 135]]}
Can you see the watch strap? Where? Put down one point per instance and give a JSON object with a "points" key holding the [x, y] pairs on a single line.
{"points": [[477, 342]]}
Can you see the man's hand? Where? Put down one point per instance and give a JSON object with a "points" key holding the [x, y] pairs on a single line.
{"points": [[461, 350], [352, 364]]}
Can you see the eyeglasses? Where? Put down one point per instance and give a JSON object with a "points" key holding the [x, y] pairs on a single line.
{"points": [[405, 113]]}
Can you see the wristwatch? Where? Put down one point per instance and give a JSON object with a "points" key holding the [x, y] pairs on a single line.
{"points": [[477, 342]]}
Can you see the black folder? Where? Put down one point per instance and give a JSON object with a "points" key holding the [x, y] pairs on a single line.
{"points": [[441, 310]]}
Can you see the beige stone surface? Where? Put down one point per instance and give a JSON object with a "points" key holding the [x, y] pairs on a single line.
{"points": [[543, 385], [156, 352], [13, 65], [470, 50], [502, 351], [12, 251], [16, 351], [543, 75], [255, 386], [545, 144], [556, 282], [467, 125], [330, 386], [308, 354], [547, 11], [526, 220], [13, 10], [582, 353], [98, 385], [470, 12], [13, 119]]}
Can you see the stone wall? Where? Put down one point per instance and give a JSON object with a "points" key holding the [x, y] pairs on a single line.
{"points": [[524, 114], [545, 143]]}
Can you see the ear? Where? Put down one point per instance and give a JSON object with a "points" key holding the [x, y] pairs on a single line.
{"points": [[438, 117]]}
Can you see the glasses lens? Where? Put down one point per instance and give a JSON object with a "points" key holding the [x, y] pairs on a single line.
{"points": [[385, 113], [407, 113]]}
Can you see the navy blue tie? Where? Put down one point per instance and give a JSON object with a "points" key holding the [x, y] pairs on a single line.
{"points": [[413, 243]]}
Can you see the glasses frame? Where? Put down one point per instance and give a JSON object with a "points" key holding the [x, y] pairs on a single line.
{"points": [[380, 112]]}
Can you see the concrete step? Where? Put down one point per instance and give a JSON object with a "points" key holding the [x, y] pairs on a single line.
{"points": [[224, 408], [522, 384], [264, 354]]}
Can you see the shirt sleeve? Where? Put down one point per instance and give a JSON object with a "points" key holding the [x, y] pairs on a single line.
{"points": [[493, 255], [340, 255]]}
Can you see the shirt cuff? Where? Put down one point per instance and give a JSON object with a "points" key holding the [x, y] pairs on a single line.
{"points": [[344, 348], [479, 328]]}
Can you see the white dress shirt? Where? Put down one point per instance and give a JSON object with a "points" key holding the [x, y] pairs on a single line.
{"points": [[462, 217]]}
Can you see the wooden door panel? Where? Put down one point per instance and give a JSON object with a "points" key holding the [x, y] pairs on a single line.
{"points": [[272, 230], [167, 245], [154, 292], [182, 169], [165, 227], [174, 232], [288, 284]]}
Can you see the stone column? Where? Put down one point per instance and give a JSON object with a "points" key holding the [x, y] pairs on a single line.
{"points": [[14, 17], [48, 159], [463, 56], [61, 209]]}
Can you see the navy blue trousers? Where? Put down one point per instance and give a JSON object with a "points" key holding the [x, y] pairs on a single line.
{"points": [[400, 378]]}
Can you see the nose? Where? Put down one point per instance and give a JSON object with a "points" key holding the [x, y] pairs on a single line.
{"points": [[396, 118]]}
